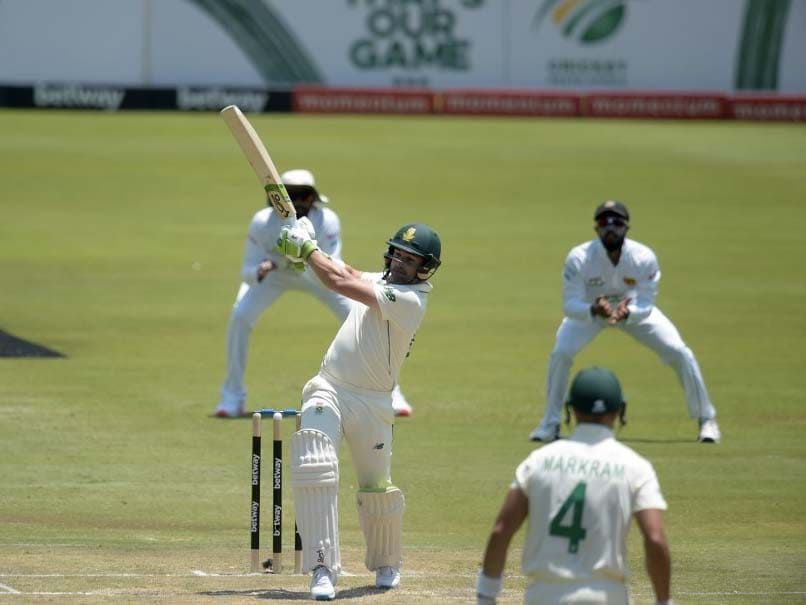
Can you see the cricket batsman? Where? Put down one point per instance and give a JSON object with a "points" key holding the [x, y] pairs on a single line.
{"points": [[351, 397]]}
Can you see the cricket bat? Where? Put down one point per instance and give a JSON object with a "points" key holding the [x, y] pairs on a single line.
{"points": [[260, 160]]}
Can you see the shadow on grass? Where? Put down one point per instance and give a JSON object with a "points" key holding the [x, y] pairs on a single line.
{"points": [[646, 440], [11, 346], [287, 595]]}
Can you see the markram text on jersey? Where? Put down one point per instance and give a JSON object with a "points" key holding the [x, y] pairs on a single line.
{"points": [[583, 467]]}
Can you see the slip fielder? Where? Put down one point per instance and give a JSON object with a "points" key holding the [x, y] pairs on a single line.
{"points": [[612, 282]]}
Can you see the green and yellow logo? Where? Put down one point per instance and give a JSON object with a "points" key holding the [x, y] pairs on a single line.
{"points": [[409, 234], [586, 21]]}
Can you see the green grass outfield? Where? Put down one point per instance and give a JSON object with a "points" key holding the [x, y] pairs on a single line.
{"points": [[120, 245]]}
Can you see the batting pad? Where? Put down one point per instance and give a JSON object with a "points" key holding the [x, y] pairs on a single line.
{"points": [[381, 517], [315, 481]]}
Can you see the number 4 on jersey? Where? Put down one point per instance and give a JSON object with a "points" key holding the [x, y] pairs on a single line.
{"points": [[574, 532]]}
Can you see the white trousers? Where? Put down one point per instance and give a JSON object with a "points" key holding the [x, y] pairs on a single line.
{"points": [[593, 592], [364, 418], [656, 332], [250, 303]]}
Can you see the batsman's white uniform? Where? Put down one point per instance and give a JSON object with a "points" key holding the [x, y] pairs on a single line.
{"points": [[582, 492], [255, 297], [352, 397], [588, 274]]}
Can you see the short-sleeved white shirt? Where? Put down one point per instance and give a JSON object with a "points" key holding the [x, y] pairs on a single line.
{"points": [[589, 273], [593, 473], [371, 344], [264, 231]]}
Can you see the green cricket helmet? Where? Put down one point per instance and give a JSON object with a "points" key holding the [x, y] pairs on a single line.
{"points": [[596, 391], [419, 239]]}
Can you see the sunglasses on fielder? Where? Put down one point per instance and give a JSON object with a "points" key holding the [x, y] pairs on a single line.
{"points": [[604, 221], [298, 193]]}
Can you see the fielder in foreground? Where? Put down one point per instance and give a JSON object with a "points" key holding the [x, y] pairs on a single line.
{"points": [[579, 495], [612, 282], [267, 275], [351, 397]]}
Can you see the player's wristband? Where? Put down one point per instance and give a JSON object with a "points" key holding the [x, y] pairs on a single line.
{"points": [[487, 586], [308, 248]]}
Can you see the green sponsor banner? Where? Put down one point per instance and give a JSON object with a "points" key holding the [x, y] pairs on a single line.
{"points": [[759, 55]]}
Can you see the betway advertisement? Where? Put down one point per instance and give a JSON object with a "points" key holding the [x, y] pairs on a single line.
{"points": [[550, 45]]}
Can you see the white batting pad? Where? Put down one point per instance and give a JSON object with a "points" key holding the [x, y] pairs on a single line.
{"points": [[381, 517], [315, 480]]}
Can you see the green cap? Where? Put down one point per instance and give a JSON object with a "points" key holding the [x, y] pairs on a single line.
{"points": [[595, 391]]}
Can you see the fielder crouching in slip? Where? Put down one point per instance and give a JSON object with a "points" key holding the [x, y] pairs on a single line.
{"points": [[351, 396], [612, 282], [579, 495]]}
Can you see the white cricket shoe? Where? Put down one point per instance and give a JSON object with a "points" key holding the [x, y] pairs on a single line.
{"points": [[387, 577], [402, 408], [399, 404], [545, 433], [709, 431], [322, 584], [224, 411]]}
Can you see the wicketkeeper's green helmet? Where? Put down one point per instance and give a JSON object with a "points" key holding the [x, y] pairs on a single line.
{"points": [[421, 240], [596, 391]]}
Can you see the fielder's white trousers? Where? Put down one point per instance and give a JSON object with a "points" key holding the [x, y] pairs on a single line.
{"points": [[250, 303], [364, 418], [594, 592], [656, 332]]}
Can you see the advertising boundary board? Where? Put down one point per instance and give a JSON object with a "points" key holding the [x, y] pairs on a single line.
{"points": [[397, 101]]}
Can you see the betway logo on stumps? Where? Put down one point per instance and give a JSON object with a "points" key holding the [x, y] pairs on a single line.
{"points": [[78, 95]]}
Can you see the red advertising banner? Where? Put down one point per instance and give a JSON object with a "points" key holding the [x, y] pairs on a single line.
{"points": [[507, 103], [768, 108], [655, 105], [322, 99]]}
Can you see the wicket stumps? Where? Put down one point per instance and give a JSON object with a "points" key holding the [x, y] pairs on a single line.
{"points": [[274, 564]]}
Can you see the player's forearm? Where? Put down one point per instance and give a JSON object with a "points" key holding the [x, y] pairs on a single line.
{"points": [[575, 305], [331, 273], [644, 300], [641, 308], [253, 255], [577, 309], [495, 555], [659, 565], [342, 278]]}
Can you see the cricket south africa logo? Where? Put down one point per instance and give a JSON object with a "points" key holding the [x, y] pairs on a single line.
{"points": [[585, 21], [409, 234], [583, 26]]}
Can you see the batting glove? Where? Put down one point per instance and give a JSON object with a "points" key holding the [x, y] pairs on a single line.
{"points": [[296, 244], [305, 223]]}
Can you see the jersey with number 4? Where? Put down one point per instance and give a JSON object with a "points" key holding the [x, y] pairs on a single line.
{"points": [[582, 493]]}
